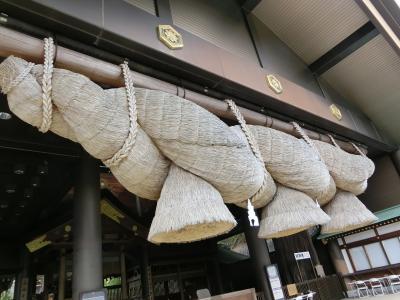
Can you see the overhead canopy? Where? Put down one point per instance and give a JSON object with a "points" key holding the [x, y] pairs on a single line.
{"points": [[339, 43]]}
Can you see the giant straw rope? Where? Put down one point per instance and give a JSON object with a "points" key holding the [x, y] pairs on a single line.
{"points": [[138, 132]]}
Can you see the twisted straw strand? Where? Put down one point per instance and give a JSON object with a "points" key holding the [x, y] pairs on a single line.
{"points": [[358, 149], [133, 125], [48, 67], [333, 141], [6, 89], [307, 139], [252, 142]]}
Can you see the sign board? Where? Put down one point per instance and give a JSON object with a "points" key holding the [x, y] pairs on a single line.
{"points": [[270, 246], [292, 289], [275, 282], [302, 255], [320, 270], [96, 295]]}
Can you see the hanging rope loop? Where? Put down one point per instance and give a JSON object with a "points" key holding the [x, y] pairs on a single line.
{"points": [[358, 149], [133, 124], [351, 143], [333, 141], [306, 138], [249, 136], [255, 149], [48, 67]]}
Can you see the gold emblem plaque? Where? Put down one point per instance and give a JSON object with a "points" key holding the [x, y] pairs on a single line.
{"points": [[170, 37], [274, 83], [38, 243], [335, 111]]}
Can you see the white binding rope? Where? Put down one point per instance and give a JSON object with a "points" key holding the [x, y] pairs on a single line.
{"points": [[305, 137], [48, 67], [255, 149], [17, 80], [133, 125]]}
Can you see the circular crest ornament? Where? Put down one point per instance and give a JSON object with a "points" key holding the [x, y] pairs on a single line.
{"points": [[274, 83], [170, 37], [335, 111]]}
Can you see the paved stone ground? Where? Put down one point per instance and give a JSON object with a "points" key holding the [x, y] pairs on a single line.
{"points": [[385, 297]]}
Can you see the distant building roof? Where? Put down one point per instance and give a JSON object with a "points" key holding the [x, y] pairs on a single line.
{"points": [[387, 214]]}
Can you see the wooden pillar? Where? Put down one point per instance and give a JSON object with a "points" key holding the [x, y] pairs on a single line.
{"points": [[259, 255], [22, 287], [337, 257], [217, 272], [146, 278], [87, 241], [61, 276], [124, 285], [180, 283]]}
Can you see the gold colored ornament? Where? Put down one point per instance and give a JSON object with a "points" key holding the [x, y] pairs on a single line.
{"points": [[335, 111], [38, 243], [274, 83], [170, 37], [111, 212]]}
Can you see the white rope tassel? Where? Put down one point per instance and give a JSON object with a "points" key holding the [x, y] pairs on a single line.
{"points": [[133, 125], [48, 67], [253, 219]]}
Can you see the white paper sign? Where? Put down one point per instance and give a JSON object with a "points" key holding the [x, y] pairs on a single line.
{"points": [[97, 295], [302, 255], [275, 282]]}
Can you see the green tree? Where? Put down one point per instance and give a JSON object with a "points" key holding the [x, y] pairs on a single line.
{"points": [[6, 295]]}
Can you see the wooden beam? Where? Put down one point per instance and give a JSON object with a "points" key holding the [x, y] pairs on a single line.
{"points": [[383, 21], [122, 219], [31, 49], [350, 44]]}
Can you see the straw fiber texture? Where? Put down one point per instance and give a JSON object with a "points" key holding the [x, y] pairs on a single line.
{"points": [[291, 161], [193, 138], [290, 212], [327, 195], [347, 212], [25, 99], [189, 209], [266, 195], [98, 120], [201, 143], [350, 171]]}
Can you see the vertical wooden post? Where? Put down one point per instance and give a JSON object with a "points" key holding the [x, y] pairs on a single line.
{"points": [[145, 270], [217, 272], [337, 258], [259, 255], [61, 276], [180, 283], [87, 241], [124, 286]]}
